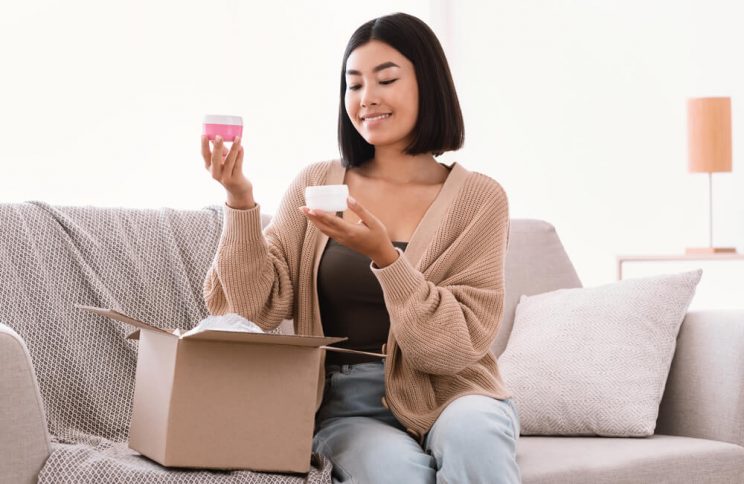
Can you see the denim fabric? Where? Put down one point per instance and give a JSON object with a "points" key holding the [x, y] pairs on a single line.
{"points": [[473, 441]]}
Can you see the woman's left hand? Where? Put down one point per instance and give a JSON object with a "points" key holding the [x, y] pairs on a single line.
{"points": [[368, 236]]}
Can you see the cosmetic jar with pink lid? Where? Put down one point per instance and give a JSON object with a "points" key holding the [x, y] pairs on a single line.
{"points": [[226, 126], [329, 198]]}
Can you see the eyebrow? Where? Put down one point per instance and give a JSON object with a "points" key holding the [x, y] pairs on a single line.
{"points": [[384, 65]]}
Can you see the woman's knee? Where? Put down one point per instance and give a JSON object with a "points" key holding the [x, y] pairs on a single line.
{"points": [[475, 423], [365, 450]]}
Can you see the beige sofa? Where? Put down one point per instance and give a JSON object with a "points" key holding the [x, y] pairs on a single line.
{"points": [[700, 429]]}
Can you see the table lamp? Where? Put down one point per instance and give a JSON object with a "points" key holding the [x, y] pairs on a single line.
{"points": [[709, 149]]}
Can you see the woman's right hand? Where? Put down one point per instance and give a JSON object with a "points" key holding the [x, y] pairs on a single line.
{"points": [[227, 168]]}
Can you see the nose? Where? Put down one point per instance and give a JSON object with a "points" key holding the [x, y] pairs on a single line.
{"points": [[369, 98]]}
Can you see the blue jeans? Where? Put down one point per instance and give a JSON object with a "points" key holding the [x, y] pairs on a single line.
{"points": [[473, 441]]}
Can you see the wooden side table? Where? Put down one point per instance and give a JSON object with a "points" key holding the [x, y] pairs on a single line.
{"points": [[683, 257]]}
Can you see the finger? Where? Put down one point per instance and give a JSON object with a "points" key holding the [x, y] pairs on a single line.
{"points": [[317, 214], [206, 152], [217, 157], [314, 220], [231, 155], [330, 219], [317, 218]]}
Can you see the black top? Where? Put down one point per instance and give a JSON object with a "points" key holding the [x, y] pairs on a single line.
{"points": [[351, 303]]}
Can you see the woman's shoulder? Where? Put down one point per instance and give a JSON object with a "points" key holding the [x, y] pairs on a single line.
{"points": [[480, 207], [482, 186]]}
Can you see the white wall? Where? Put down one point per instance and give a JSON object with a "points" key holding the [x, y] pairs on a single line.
{"points": [[579, 109], [104, 102], [576, 107]]}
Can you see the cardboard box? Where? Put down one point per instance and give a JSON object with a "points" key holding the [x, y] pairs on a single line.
{"points": [[223, 399]]}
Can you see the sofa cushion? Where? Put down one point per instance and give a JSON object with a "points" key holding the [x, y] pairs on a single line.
{"points": [[659, 459], [594, 361], [536, 262]]}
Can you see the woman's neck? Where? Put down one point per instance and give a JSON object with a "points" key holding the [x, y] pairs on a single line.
{"points": [[395, 167]]}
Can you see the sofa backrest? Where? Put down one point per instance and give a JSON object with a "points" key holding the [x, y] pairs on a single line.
{"points": [[150, 264], [536, 262]]}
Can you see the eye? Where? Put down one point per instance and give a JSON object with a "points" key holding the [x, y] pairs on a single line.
{"points": [[357, 86]]}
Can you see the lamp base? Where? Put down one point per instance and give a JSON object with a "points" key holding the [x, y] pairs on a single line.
{"points": [[710, 250]]}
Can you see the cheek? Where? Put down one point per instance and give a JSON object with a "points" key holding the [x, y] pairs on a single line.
{"points": [[410, 109], [351, 113], [407, 98], [351, 110]]}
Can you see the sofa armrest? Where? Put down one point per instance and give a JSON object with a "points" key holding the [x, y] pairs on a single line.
{"points": [[704, 394], [24, 438]]}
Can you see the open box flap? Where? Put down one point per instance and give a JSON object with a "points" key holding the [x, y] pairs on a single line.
{"points": [[230, 336], [242, 336], [114, 314], [282, 339], [136, 333]]}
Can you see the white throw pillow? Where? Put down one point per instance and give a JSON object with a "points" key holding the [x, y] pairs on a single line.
{"points": [[594, 361]]}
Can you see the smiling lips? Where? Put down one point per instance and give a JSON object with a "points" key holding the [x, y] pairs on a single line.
{"points": [[375, 119]]}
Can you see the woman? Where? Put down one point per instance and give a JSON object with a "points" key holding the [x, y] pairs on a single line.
{"points": [[415, 267]]}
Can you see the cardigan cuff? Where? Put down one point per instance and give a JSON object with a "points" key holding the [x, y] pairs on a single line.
{"points": [[399, 279], [241, 225]]}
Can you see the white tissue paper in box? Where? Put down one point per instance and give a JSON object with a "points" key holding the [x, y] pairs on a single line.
{"points": [[226, 322]]}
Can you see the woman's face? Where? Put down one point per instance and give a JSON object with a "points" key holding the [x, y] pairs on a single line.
{"points": [[380, 80]]}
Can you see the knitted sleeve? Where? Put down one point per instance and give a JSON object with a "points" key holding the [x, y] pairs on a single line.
{"points": [[254, 273], [444, 328]]}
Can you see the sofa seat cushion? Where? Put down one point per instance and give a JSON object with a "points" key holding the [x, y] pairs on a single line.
{"points": [[656, 459]]}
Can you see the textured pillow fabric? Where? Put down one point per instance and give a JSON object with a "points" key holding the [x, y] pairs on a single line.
{"points": [[536, 262], [594, 361]]}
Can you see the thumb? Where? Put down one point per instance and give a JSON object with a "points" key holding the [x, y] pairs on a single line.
{"points": [[364, 215]]}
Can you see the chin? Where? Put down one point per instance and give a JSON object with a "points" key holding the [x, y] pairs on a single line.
{"points": [[381, 140]]}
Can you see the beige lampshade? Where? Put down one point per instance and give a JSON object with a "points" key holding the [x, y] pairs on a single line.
{"points": [[709, 134]]}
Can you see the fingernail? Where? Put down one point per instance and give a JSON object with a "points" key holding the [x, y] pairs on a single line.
{"points": [[218, 138], [311, 212], [351, 199], [237, 139]]}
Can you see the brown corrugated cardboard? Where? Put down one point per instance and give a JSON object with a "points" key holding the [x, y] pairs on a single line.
{"points": [[224, 399]]}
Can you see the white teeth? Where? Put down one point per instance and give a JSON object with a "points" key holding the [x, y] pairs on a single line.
{"points": [[377, 117]]}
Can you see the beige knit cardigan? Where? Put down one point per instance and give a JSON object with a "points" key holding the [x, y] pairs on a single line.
{"points": [[444, 294]]}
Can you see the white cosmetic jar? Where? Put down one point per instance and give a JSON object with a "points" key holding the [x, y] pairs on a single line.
{"points": [[329, 198]]}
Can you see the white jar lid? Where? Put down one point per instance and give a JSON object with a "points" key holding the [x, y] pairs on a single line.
{"points": [[326, 190], [223, 119]]}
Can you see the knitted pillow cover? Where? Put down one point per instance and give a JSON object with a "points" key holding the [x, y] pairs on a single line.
{"points": [[594, 361]]}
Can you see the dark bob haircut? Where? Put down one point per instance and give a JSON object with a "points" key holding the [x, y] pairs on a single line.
{"points": [[439, 126]]}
